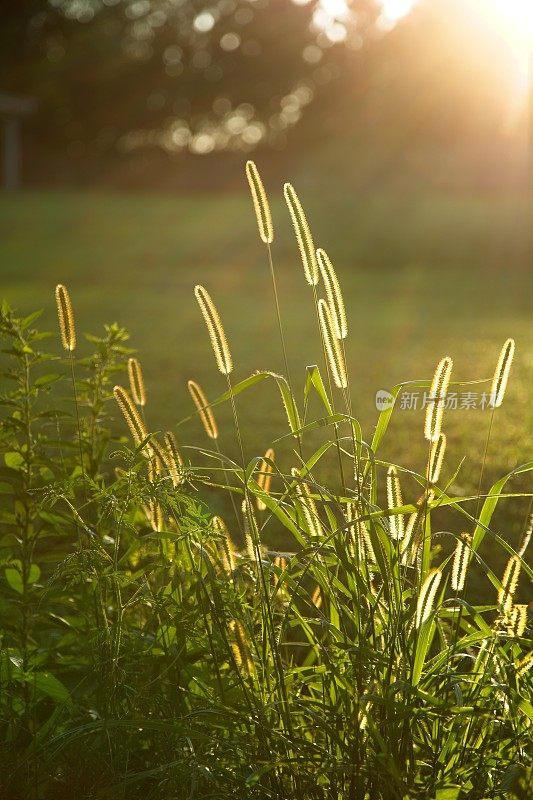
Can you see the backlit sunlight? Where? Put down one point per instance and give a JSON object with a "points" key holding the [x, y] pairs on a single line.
{"points": [[512, 18]]}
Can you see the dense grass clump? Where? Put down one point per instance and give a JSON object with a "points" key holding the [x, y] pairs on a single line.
{"points": [[316, 642]]}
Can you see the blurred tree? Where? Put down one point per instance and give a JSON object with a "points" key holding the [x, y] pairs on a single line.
{"points": [[221, 74]]}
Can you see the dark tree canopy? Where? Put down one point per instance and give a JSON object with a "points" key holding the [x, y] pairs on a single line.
{"points": [[177, 73]]}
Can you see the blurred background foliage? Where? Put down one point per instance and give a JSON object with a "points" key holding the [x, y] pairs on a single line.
{"points": [[131, 92]]}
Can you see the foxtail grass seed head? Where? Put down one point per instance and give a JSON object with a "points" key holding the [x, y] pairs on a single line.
{"points": [[65, 316], [524, 665], [435, 407], [240, 648], [137, 386], [264, 477], [281, 563], [131, 415], [251, 530], [153, 511], [261, 205], [157, 517], [227, 547], [509, 584], [219, 343], [333, 348], [501, 374], [333, 294], [316, 597], [395, 500], [362, 538], [460, 562], [517, 620], [155, 468], [526, 538], [307, 505], [426, 598], [204, 411], [436, 458], [303, 235], [173, 459]]}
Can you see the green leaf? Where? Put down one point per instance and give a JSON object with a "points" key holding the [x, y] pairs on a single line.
{"points": [[286, 395], [424, 639], [27, 321], [318, 423], [48, 684], [527, 709], [448, 793], [14, 578], [489, 506], [44, 380], [34, 574], [314, 379], [14, 460]]}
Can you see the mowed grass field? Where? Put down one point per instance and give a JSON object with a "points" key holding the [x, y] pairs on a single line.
{"points": [[423, 276]]}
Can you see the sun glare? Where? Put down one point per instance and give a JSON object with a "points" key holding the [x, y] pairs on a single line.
{"points": [[513, 18]]}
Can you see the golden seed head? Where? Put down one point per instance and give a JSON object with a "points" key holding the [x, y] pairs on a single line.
{"points": [[501, 374], [307, 505], [240, 648], [204, 411], [524, 665], [509, 583], [362, 541], [435, 407], [460, 562], [316, 597], [333, 348], [155, 468], [157, 518], [251, 530], [65, 316], [517, 620], [172, 458], [219, 343], [395, 500], [227, 547], [333, 294], [131, 415], [426, 598], [303, 235], [261, 205], [436, 458], [281, 563], [137, 387], [264, 477]]}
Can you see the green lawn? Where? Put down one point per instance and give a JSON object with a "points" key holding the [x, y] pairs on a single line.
{"points": [[423, 277]]}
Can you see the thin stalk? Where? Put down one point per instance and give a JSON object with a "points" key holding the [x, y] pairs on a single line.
{"points": [[483, 463], [225, 471], [281, 334], [71, 359]]}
